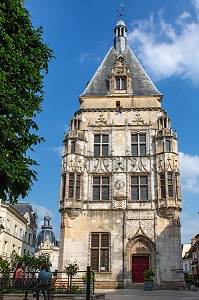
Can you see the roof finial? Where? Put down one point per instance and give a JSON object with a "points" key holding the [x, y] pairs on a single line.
{"points": [[121, 10]]}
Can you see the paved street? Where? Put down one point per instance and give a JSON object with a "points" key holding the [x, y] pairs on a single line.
{"points": [[131, 294]]}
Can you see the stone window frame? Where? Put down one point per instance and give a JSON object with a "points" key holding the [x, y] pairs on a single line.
{"points": [[102, 186], [101, 144], [100, 250], [167, 185], [139, 143], [139, 186], [74, 185], [120, 83]]}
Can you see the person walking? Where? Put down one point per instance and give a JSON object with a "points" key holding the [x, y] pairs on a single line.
{"points": [[44, 279], [19, 276]]}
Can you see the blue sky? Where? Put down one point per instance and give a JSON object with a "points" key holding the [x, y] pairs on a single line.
{"points": [[164, 35]]}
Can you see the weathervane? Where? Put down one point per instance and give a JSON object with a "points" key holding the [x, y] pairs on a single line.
{"points": [[121, 10]]}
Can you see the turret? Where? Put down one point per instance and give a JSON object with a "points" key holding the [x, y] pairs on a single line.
{"points": [[120, 37]]}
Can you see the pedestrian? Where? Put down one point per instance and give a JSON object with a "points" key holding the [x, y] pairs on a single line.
{"points": [[19, 276], [44, 279]]}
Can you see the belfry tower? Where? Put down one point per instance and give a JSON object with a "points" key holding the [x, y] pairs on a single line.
{"points": [[120, 197]]}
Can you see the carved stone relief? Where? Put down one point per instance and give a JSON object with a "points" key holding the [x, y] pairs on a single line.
{"points": [[119, 164], [169, 166], [139, 245], [140, 227], [73, 213], [119, 203], [119, 184], [101, 121], [140, 214], [100, 165], [160, 164], [98, 229], [138, 164], [75, 165]]}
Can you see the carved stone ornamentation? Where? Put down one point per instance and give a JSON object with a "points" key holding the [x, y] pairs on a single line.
{"points": [[139, 164], [169, 166], [140, 227], [119, 164], [100, 165], [73, 213], [119, 185], [100, 122]]}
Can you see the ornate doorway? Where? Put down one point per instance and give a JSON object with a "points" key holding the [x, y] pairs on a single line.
{"points": [[139, 265]]}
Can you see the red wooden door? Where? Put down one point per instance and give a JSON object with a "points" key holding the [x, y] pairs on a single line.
{"points": [[139, 265]]}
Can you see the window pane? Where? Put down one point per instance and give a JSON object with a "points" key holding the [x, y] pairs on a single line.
{"points": [[163, 193], [96, 180], [142, 150], [104, 150], [162, 178], [105, 240], [117, 83], [134, 193], [105, 139], [142, 138], [96, 193], [168, 146], [134, 150], [123, 83], [95, 240], [134, 180], [143, 180], [143, 193], [134, 138], [72, 147], [70, 192], [95, 260], [78, 192], [170, 190], [104, 260], [71, 176], [96, 139], [105, 180], [96, 150], [105, 192]]}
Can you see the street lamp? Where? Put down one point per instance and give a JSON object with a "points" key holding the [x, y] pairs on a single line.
{"points": [[1, 225]]}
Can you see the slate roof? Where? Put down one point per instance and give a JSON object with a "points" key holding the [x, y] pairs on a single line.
{"points": [[141, 83]]}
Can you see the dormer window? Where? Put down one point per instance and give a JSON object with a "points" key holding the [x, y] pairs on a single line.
{"points": [[120, 83]]}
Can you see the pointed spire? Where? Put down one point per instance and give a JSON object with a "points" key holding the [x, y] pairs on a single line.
{"points": [[120, 36]]}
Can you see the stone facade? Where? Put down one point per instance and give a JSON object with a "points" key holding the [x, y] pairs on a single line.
{"points": [[120, 197], [19, 229]]}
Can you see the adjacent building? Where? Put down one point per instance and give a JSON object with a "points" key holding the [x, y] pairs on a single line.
{"points": [[19, 229], [47, 243], [120, 198]]}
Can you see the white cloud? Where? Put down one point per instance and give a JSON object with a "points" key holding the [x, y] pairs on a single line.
{"points": [[189, 166], [58, 150], [168, 49], [89, 56], [196, 5], [41, 212], [189, 229]]}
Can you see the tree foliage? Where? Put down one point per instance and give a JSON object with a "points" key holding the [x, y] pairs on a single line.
{"points": [[32, 263], [24, 59]]}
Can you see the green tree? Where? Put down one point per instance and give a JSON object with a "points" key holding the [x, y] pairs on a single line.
{"points": [[71, 270], [24, 59]]}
